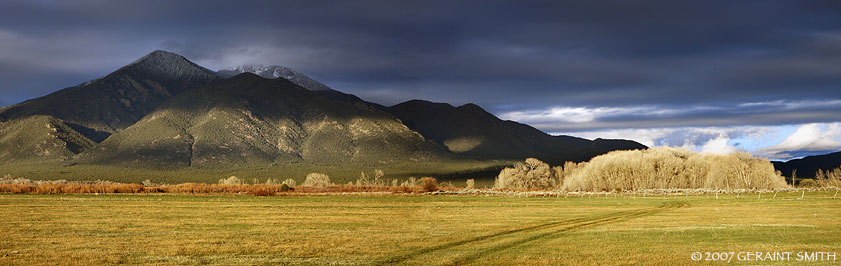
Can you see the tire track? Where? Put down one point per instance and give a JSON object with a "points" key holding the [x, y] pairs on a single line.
{"points": [[592, 223], [566, 225]]}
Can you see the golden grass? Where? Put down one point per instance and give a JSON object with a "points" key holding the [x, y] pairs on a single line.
{"points": [[164, 229]]}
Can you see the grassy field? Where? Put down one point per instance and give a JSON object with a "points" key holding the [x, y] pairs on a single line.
{"points": [[237, 230]]}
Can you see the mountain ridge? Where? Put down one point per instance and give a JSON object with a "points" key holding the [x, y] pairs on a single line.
{"points": [[470, 130], [807, 166], [273, 72]]}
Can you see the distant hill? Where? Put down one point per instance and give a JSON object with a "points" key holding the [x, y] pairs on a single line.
{"points": [[40, 137], [471, 131], [807, 166]]}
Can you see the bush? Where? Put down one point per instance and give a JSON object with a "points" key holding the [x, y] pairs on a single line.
{"points": [[429, 184], [262, 191], [531, 174], [317, 180], [289, 182], [364, 180], [672, 168], [808, 183], [829, 178], [411, 182], [232, 180], [285, 188]]}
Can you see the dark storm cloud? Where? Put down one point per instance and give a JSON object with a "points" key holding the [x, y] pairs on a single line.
{"points": [[507, 56]]}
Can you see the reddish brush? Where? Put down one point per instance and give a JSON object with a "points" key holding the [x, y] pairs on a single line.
{"points": [[201, 188]]}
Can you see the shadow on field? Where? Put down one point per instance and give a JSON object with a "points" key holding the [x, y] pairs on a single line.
{"points": [[560, 226]]}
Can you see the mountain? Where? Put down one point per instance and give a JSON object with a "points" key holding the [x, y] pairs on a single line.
{"points": [[163, 112], [471, 131], [251, 120], [273, 72], [118, 100], [807, 166], [71, 120]]}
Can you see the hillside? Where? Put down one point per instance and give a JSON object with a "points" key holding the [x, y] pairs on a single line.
{"points": [[807, 166], [471, 131], [39, 137], [250, 120]]}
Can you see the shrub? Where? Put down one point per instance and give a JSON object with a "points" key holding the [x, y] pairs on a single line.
{"points": [[808, 183], [378, 180], [232, 180], [411, 182], [531, 174], [289, 182], [317, 180], [262, 191], [363, 180], [829, 178], [470, 184], [429, 184], [285, 188], [672, 168]]}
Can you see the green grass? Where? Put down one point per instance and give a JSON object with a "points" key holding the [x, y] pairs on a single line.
{"points": [[421, 230]]}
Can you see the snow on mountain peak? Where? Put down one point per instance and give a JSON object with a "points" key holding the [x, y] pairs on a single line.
{"points": [[273, 72]]}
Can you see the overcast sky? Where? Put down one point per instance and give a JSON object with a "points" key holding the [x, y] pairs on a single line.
{"points": [[716, 76]]}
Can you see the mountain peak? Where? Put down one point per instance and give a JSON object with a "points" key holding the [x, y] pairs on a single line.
{"points": [[416, 103], [159, 56], [171, 65], [274, 72]]}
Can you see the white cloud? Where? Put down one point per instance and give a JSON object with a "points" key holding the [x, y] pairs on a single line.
{"points": [[808, 137], [790, 105], [582, 118], [719, 145], [773, 142], [573, 114], [694, 138]]}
